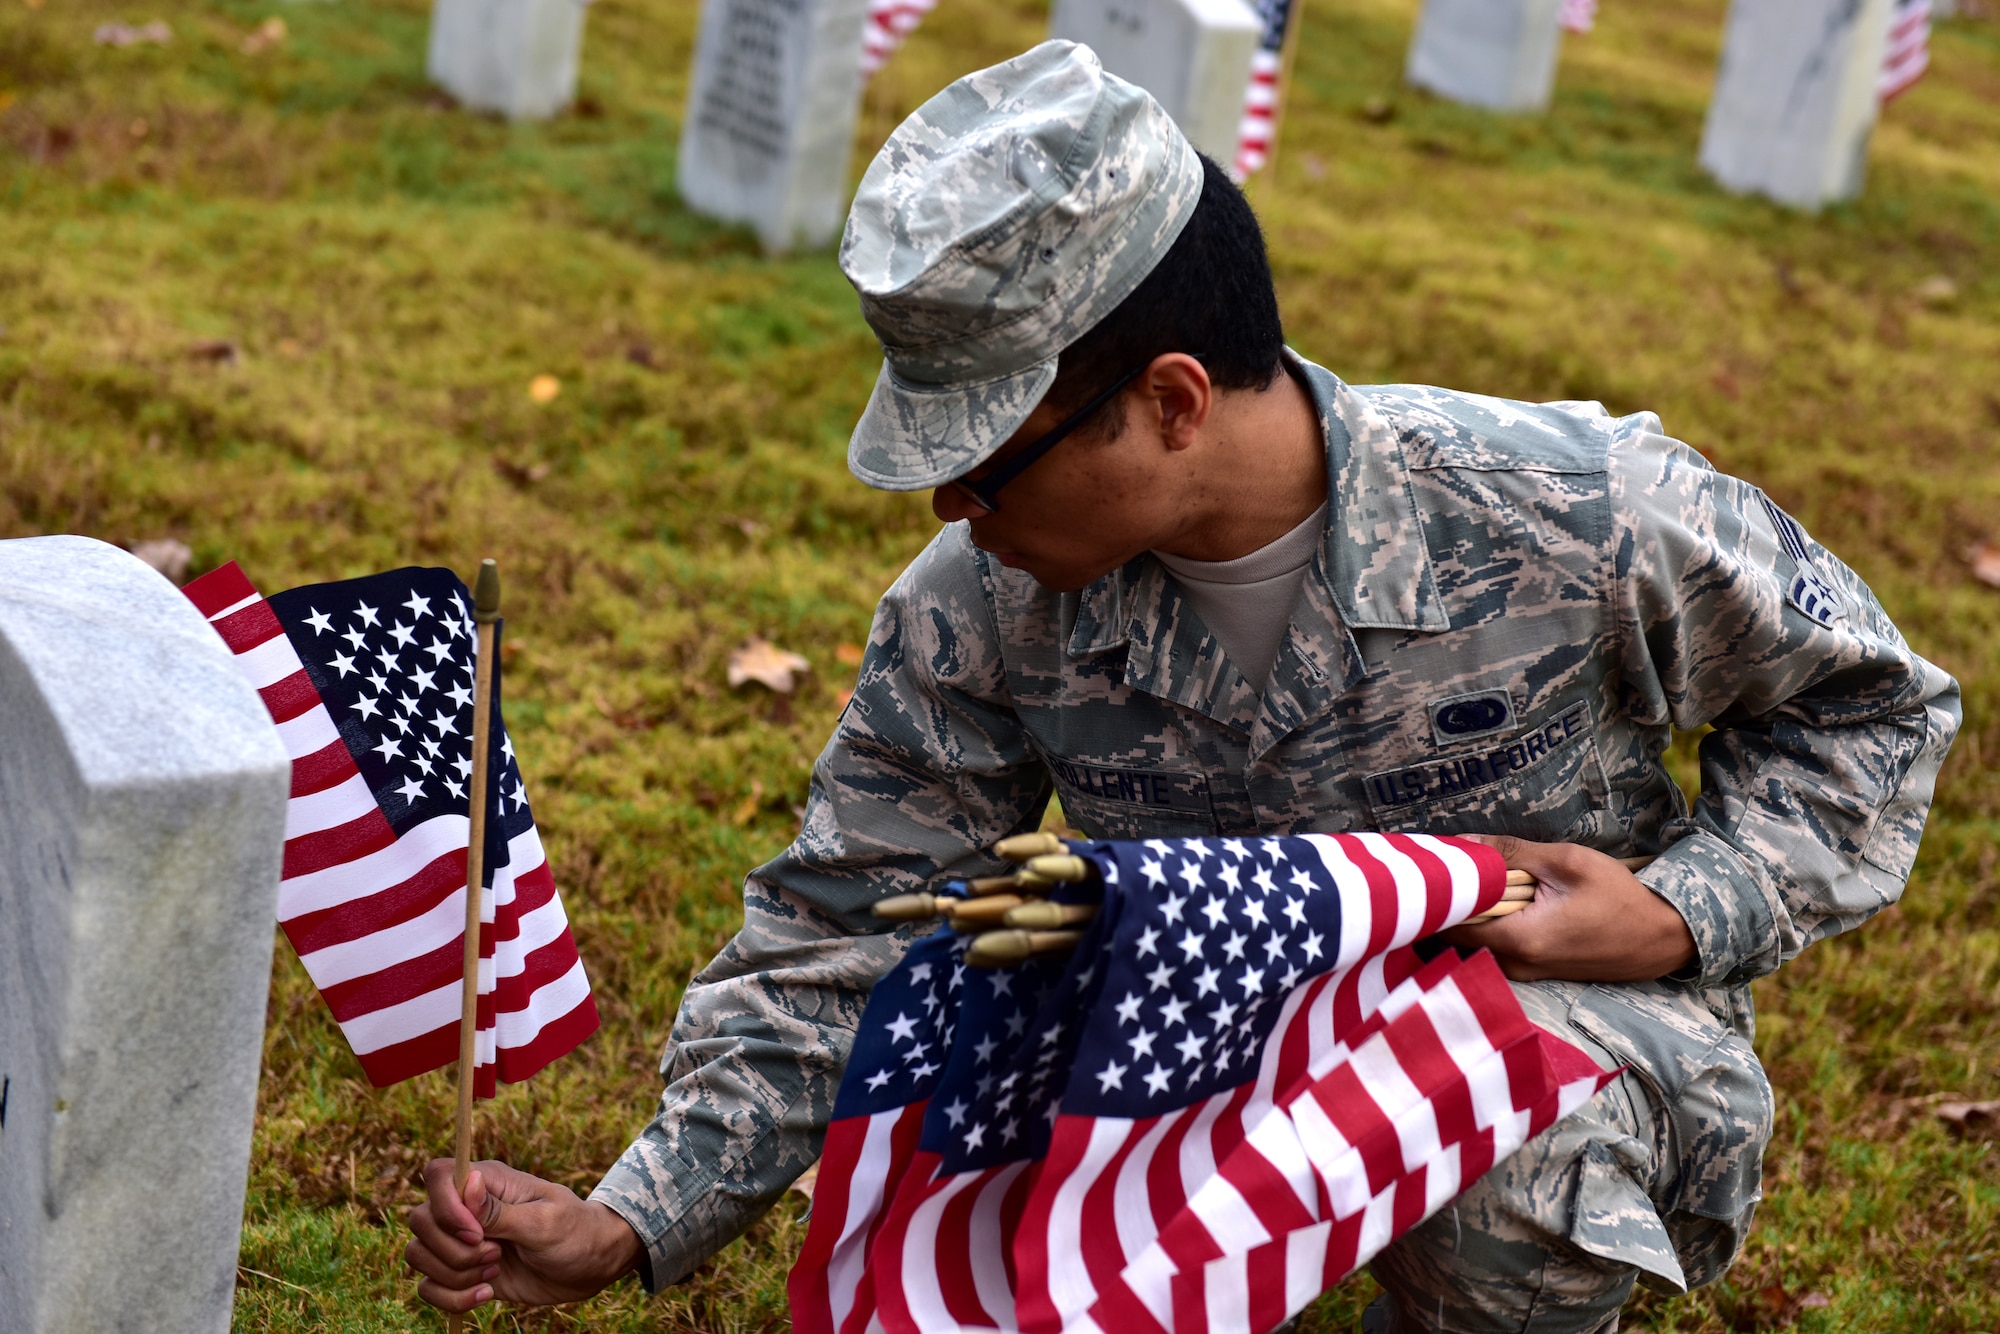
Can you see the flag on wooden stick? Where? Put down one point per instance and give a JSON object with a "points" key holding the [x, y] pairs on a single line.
{"points": [[370, 684], [889, 23], [1578, 15], [1908, 51], [1259, 129], [1241, 1086]]}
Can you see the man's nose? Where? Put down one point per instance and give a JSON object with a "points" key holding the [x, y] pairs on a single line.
{"points": [[951, 504]]}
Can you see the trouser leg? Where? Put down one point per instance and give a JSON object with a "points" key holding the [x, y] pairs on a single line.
{"points": [[1653, 1180]]}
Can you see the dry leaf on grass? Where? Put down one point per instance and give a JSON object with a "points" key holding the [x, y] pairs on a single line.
{"points": [[544, 388], [166, 555], [155, 33], [841, 697], [762, 661], [746, 810], [807, 1180], [848, 655], [1970, 1120], [1774, 1308], [218, 350], [271, 32], [1984, 558]]}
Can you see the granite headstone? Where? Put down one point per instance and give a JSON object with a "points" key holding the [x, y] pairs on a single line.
{"points": [[1193, 56], [770, 116], [1795, 98], [1496, 54], [516, 57], [144, 786]]}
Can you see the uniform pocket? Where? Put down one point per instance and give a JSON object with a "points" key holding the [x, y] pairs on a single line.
{"points": [[1538, 784], [1107, 801]]}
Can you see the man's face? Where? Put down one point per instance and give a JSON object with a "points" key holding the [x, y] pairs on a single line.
{"points": [[1085, 508]]}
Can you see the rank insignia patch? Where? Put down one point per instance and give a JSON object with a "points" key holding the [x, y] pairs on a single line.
{"points": [[1462, 717], [1812, 595]]}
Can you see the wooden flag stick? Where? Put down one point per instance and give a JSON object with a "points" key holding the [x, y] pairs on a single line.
{"points": [[486, 616]]}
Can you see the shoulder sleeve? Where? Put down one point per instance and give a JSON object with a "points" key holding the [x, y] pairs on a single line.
{"points": [[1828, 730], [926, 770]]}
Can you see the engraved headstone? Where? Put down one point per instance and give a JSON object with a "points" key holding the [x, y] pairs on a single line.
{"points": [[1193, 56], [770, 116], [1795, 98], [144, 790], [516, 57], [1496, 54]]}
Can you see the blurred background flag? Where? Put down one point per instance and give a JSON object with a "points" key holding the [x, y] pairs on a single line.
{"points": [[1242, 1084], [889, 22], [1908, 52], [1579, 15], [1260, 100], [370, 683]]}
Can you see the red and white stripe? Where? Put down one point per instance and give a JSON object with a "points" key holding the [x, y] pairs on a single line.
{"points": [[1907, 53], [1578, 15], [1260, 115], [379, 921], [889, 23]]}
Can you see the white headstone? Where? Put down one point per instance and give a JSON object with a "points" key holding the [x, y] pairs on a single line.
{"points": [[770, 116], [1794, 101], [144, 790], [516, 57], [1496, 54], [1193, 56]]}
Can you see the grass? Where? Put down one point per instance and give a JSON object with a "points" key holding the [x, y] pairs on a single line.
{"points": [[392, 272]]}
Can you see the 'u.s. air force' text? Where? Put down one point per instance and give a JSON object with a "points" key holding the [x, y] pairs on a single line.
{"points": [[1467, 773]]}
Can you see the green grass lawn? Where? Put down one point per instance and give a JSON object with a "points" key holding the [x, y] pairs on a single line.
{"points": [[391, 273]]}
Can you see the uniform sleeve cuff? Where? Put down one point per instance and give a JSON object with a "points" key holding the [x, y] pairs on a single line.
{"points": [[669, 1252], [1725, 907]]}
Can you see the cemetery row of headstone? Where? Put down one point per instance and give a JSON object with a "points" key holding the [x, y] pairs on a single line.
{"points": [[776, 84]]}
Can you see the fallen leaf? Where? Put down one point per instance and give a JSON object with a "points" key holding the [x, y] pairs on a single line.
{"points": [[1937, 290], [630, 722], [544, 388], [764, 662], [1378, 110], [139, 129], [521, 474], [848, 655], [1771, 1307], [641, 354], [807, 1180], [841, 697], [166, 555], [155, 33], [218, 350], [747, 808], [1970, 1120], [271, 32], [289, 347], [1984, 558]]}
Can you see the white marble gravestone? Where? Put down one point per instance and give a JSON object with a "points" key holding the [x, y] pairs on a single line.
{"points": [[144, 791], [770, 116], [1193, 56], [516, 57], [1496, 54], [1794, 100]]}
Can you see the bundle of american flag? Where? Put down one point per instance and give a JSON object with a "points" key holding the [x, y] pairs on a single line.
{"points": [[1242, 1084], [370, 684]]}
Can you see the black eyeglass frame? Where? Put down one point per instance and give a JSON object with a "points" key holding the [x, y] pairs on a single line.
{"points": [[985, 492]]}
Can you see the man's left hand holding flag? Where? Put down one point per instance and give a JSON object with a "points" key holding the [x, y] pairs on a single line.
{"points": [[515, 1237]]}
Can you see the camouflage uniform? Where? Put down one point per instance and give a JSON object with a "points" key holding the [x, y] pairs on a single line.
{"points": [[1512, 606]]}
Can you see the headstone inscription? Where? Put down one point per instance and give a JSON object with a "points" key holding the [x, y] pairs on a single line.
{"points": [[144, 790], [770, 116], [1496, 54], [516, 57], [1795, 98], [1193, 56]]}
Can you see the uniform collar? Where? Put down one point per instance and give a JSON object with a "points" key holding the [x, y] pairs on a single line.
{"points": [[1373, 558]]}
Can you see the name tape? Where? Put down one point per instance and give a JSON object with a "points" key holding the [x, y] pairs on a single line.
{"points": [[1468, 773]]}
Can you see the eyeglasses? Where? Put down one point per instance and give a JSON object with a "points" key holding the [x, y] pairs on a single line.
{"points": [[985, 491]]}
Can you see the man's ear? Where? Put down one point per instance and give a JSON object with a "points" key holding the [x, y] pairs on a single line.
{"points": [[1176, 389]]}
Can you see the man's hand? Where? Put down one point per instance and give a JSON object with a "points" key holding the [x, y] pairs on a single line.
{"points": [[1591, 921], [515, 1237]]}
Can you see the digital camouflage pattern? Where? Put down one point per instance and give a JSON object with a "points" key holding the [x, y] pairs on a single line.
{"points": [[1512, 606], [1003, 219]]}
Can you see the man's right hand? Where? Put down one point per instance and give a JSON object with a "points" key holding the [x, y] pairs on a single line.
{"points": [[515, 1237]]}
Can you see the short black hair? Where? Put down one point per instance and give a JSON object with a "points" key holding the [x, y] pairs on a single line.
{"points": [[1211, 294]]}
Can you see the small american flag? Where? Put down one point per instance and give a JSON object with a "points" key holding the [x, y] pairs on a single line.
{"points": [[1260, 99], [1579, 15], [1908, 52], [370, 684], [1242, 1085], [889, 23]]}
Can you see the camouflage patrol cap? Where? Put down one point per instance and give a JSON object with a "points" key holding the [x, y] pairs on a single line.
{"points": [[1003, 219]]}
